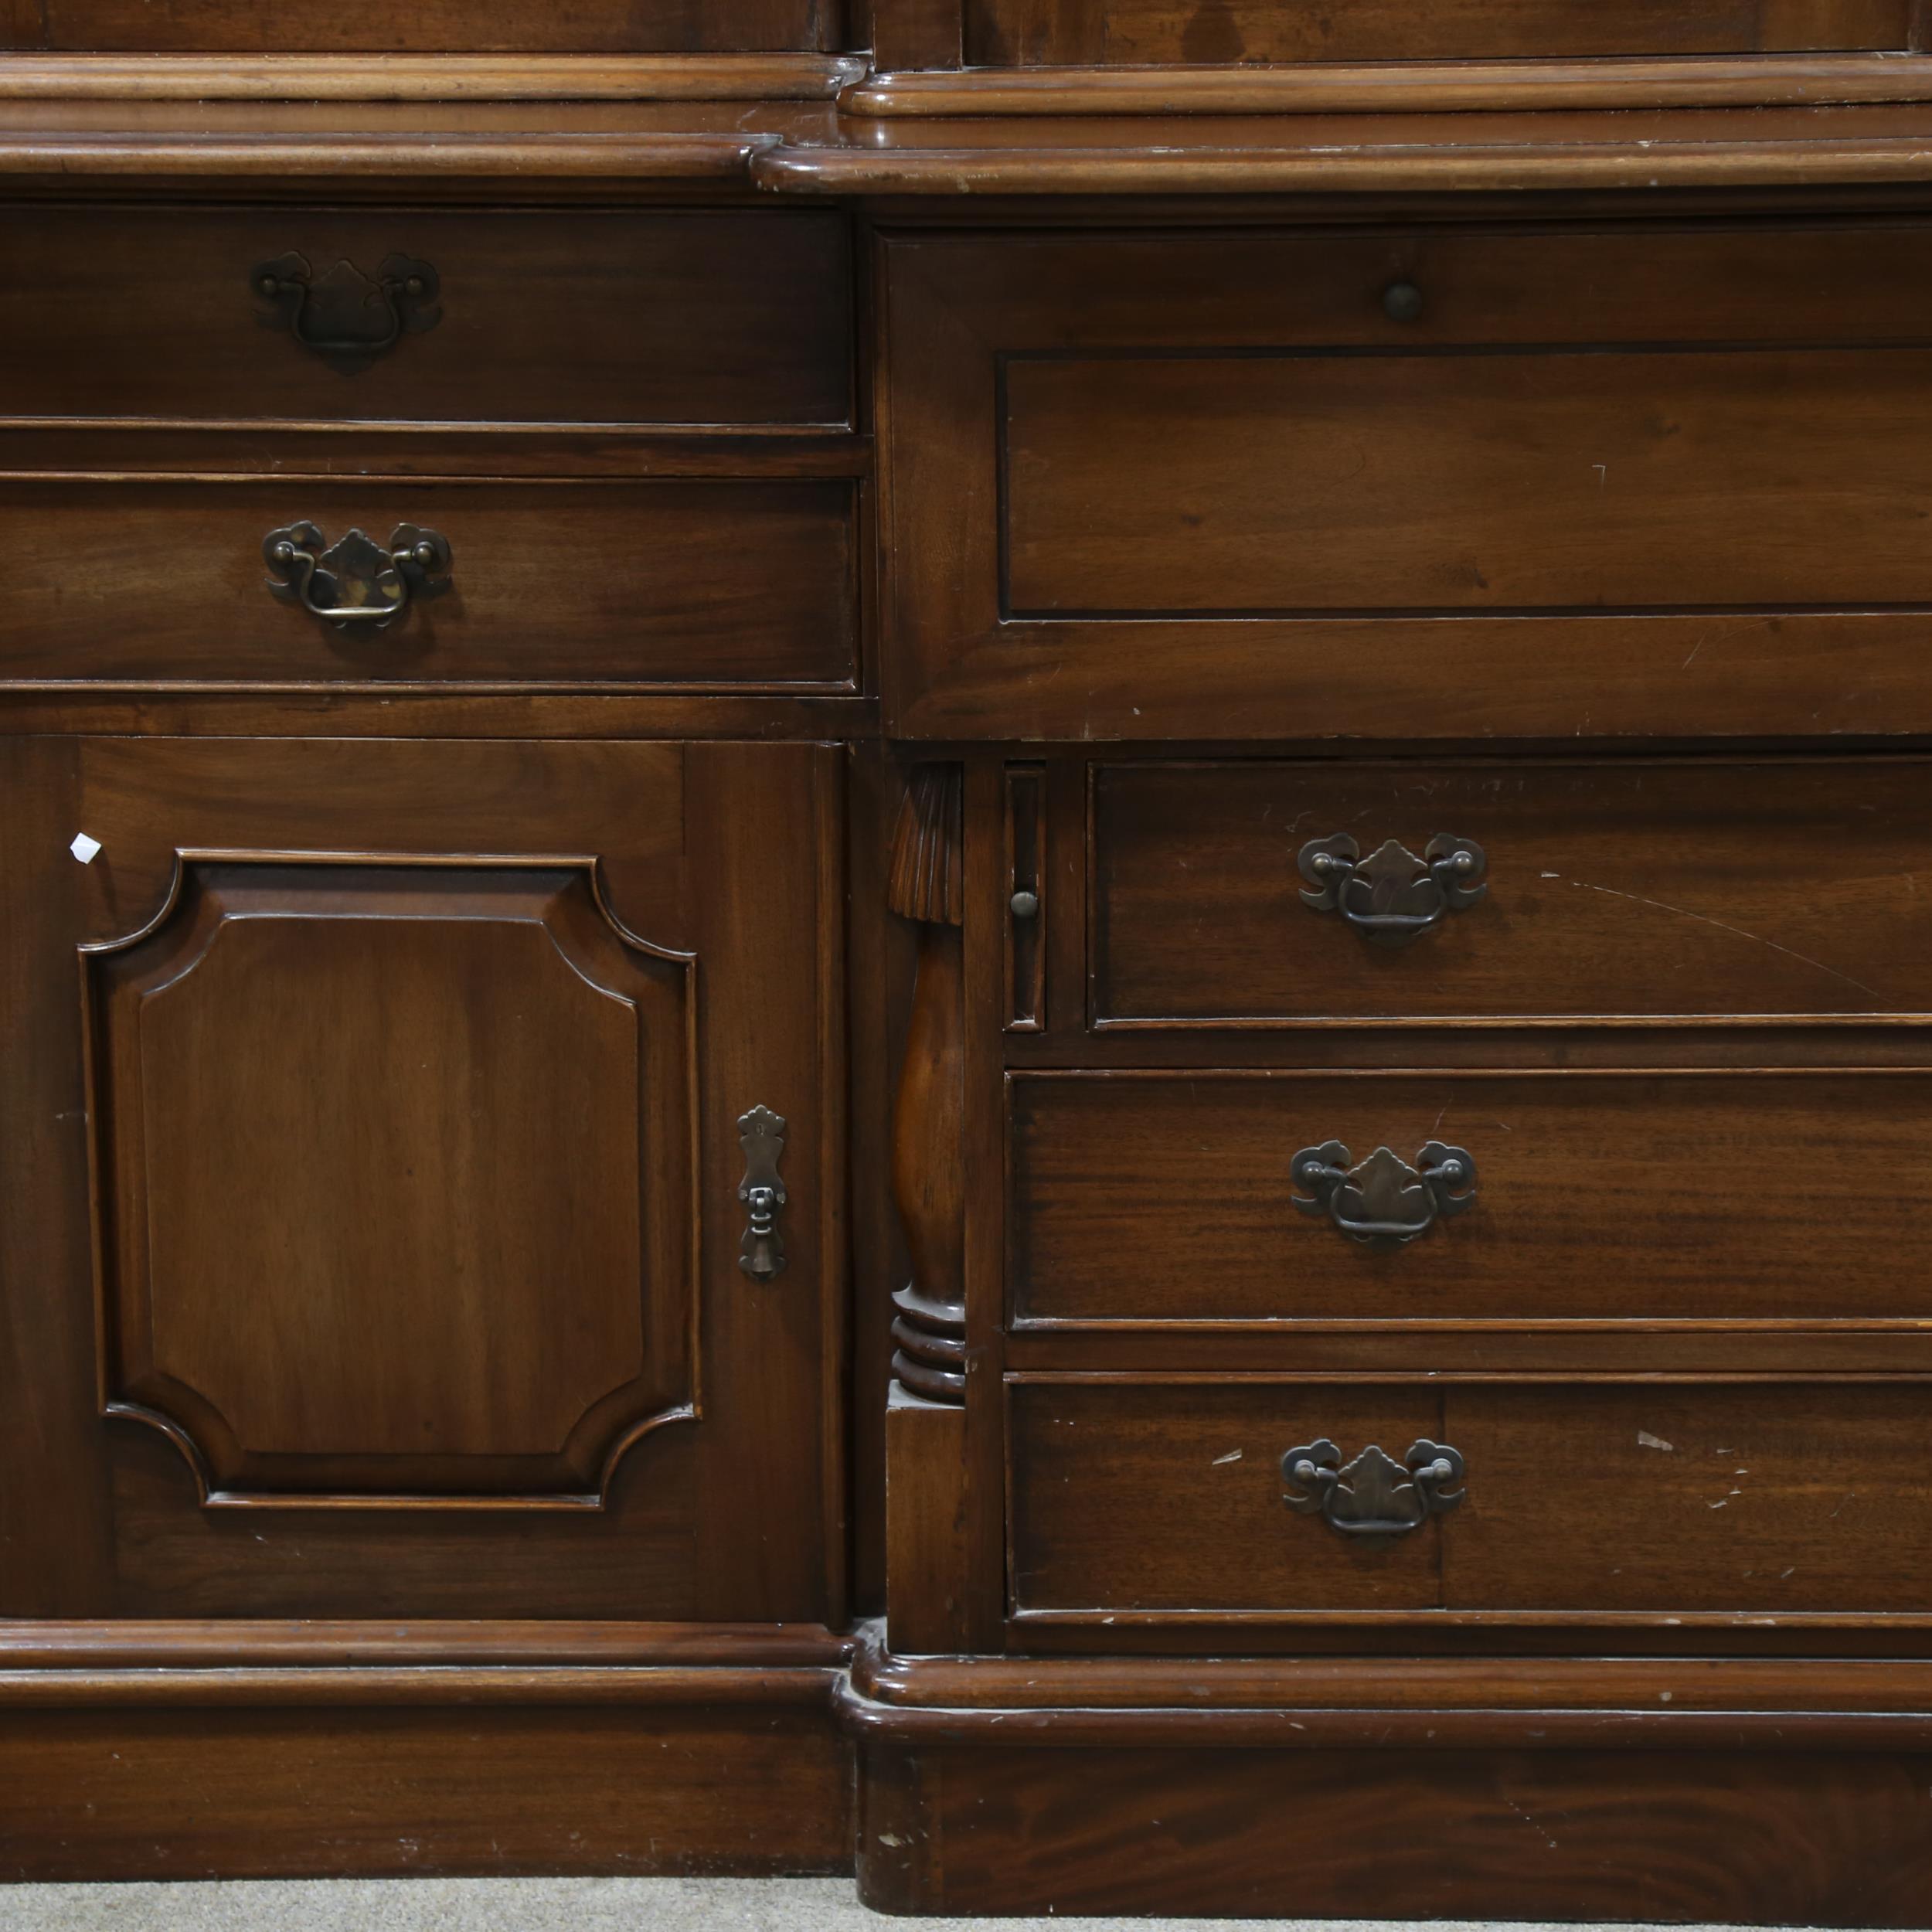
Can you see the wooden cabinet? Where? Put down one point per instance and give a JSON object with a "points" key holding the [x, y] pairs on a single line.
{"points": [[402, 1127], [1005, 960]]}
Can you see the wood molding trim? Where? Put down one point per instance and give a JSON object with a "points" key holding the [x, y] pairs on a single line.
{"points": [[1437, 1685], [465, 155], [96, 1646], [359, 1687], [1470, 86], [108, 77], [1389, 1703], [1304, 155], [54, 1665]]}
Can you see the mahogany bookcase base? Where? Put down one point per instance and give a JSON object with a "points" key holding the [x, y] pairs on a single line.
{"points": [[1765, 1791]]}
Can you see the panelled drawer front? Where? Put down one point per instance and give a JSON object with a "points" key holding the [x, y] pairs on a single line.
{"points": [[666, 584], [1438, 484], [673, 318], [1639, 891], [1172, 1198], [1757, 1499], [1589, 482]]}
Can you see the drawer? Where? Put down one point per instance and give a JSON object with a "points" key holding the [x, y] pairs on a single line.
{"points": [[620, 317], [1425, 485], [1637, 891], [1181, 1197], [1141, 1501], [670, 583]]}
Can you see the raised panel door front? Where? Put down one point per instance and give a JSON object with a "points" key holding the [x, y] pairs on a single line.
{"points": [[375, 1216], [406, 1090]]}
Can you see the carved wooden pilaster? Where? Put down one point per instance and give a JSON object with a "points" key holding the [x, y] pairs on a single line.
{"points": [[929, 1580], [925, 886]]}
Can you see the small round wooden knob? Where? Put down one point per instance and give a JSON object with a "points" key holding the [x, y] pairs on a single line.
{"points": [[1403, 302]]}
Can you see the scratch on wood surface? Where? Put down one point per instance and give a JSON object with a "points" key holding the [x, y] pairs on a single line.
{"points": [[1756, 939]]}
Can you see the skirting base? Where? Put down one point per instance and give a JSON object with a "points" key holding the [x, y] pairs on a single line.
{"points": [[1778, 1793]]}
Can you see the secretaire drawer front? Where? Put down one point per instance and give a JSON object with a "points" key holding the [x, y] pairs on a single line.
{"points": [[1517, 1198], [1251, 486], [402, 314], [1767, 1499], [1425, 485], [1268, 894], [267, 583]]}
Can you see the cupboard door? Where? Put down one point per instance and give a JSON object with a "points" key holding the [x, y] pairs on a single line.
{"points": [[402, 1122]]}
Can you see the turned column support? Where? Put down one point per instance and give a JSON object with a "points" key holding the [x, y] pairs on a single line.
{"points": [[925, 886], [927, 1559]]}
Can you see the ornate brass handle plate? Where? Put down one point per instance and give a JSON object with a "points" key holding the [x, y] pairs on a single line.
{"points": [[1392, 896], [1375, 1498], [356, 581], [1385, 1203], [343, 316], [761, 1133]]}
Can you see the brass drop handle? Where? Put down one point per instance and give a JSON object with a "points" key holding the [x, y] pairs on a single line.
{"points": [[1385, 1203], [357, 581], [1374, 1498], [1403, 302], [1392, 897], [761, 1135], [347, 318]]}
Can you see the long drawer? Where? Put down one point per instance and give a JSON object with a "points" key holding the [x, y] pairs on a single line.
{"points": [[1521, 1197], [1417, 484], [400, 314], [1155, 1499], [736, 584], [1268, 893]]}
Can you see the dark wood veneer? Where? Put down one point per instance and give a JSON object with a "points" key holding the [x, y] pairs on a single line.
{"points": [[1636, 892], [603, 583], [693, 316], [1106, 508], [616, 26], [1354, 426], [1165, 1498], [1722, 1196], [1157, 32]]}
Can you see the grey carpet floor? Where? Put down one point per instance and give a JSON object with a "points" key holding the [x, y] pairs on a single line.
{"points": [[529, 1905]]}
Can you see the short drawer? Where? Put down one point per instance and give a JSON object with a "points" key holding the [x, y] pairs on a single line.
{"points": [[404, 315], [1425, 485], [738, 585], [1266, 893], [1517, 1198], [1151, 1500]]}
